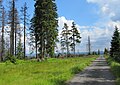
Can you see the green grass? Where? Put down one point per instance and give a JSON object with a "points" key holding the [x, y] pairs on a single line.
{"points": [[115, 67], [51, 72]]}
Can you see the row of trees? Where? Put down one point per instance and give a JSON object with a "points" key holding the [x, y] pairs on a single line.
{"points": [[43, 30], [69, 38], [11, 44], [115, 45]]}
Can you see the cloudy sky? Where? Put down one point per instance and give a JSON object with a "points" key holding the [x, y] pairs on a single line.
{"points": [[94, 18]]}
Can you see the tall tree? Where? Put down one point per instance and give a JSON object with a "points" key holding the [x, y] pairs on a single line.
{"points": [[44, 26], [13, 20], [65, 37], [63, 45], [106, 51], [98, 52], [25, 19], [12, 28], [3, 25], [75, 37], [19, 47], [16, 19], [34, 35], [52, 25], [89, 46], [115, 44]]}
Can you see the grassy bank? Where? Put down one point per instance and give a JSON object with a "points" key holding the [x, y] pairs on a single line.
{"points": [[51, 72], [115, 67]]}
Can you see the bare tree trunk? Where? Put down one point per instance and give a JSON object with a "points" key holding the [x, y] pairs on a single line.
{"points": [[24, 31], [15, 37], [12, 31], [2, 40], [74, 44], [67, 44], [24, 11], [89, 45], [36, 46]]}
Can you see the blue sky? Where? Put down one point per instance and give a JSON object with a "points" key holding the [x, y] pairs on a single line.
{"points": [[79, 10], [94, 18]]}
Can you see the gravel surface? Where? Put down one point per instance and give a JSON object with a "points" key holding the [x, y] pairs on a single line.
{"points": [[97, 74]]}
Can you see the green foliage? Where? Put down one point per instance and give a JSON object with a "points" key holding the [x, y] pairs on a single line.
{"points": [[115, 45], [19, 50], [115, 67], [106, 51], [65, 42], [11, 58], [69, 38], [75, 37], [51, 72], [75, 70], [44, 26], [98, 52], [94, 53]]}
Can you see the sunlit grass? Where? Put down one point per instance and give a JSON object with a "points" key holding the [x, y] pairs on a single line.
{"points": [[50, 72], [115, 67]]}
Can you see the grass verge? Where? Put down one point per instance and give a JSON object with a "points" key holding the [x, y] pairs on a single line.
{"points": [[115, 68], [51, 72]]}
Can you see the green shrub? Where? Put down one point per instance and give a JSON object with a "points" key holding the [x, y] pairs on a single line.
{"points": [[118, 81], [11, 58], [115, 67], [75, 70]]}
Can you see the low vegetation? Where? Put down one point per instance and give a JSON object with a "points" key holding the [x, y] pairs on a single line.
{"points": [[115, 67], [50, 72]]}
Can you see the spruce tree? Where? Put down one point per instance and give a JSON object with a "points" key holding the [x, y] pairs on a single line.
{"points": [[51, 29], [13, 21], [75, 37], [44, 26], [106, 51], [25, 20], [115, 45], [2, 10], [19, 51], [12, 28], [65, 37], [63, 45], [16, 19], [98, 52]]}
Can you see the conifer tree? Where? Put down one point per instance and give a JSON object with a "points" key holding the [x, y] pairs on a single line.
{"points": [[25, 20], [16, 19], [19, 47], [106, 51], [115, 45], [75, 37], [13, 21], [98, 52], [12, 28], [3, 25], [65, 37], [44, 26], [63, 45]]}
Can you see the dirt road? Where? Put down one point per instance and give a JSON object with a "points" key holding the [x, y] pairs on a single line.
{"points": [[97, 74]]}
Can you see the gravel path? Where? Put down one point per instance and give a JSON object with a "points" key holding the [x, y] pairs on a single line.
{"points": [[96, 74]]}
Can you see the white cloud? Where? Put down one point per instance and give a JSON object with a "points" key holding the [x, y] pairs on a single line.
{"points": [[108, 8], [61, 21], [109, 13], [100, 37]]}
